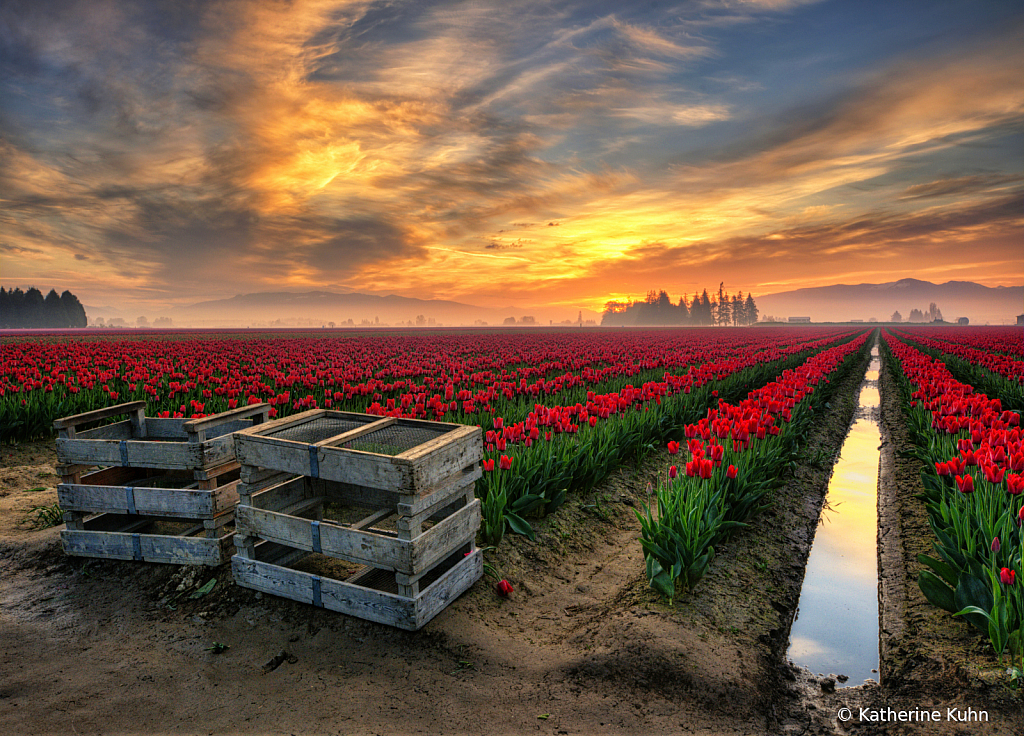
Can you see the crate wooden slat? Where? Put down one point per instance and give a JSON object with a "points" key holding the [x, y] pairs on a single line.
{"points": [[124, 537], [365, 546], [369, 600], [102, 491]]}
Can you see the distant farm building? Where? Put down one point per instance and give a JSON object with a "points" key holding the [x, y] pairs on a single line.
{"points": [[1020, 319], [963, 321], [799, 319]]}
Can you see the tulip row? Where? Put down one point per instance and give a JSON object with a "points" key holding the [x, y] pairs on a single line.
{"points": [[735, 455], [560, 449], [466, 377], [997, 375], [973, 456]]}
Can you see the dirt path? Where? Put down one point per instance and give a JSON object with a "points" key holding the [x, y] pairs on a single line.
{"points": [[581, 647]]}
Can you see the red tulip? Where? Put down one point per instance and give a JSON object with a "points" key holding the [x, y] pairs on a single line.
{"points": [[731, 472], [505, 463], [1007, 576], [673, 471], [673, 448], [504, 589], [965, 483], [489, 464], [995, 544]]}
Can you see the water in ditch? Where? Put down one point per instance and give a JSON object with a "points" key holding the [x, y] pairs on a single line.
{"points": [[836, 626]]}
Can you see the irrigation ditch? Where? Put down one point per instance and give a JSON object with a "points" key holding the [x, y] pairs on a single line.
{"points": [[582, 646]]}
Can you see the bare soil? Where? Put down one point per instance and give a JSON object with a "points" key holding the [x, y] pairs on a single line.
{"points": [[581, 647]]}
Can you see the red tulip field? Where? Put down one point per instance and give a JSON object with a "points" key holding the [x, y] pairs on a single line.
{"points": [[648, 500]]}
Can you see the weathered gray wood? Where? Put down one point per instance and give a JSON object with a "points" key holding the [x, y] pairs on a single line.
{"points": [[168, 549], [127, 443], [439, 495], [272, 454], [166, 428], [139, 453], [115, 475], [463, 450], [375, 518], [448, 587], [456, 433], [438, 541], [88, 452], [278, 424], [261, 411], [138, 422], [376, 548], [281, 495], [148, 501], [98, 414], [118, 431], [252, 475], [414, 471], [358, 432], [355, 600], [278, 554], [212, 452]]}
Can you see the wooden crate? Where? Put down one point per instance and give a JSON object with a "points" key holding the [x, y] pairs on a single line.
{"points": [[401, 456], [168, 493], [411, 548], [153, 442]]}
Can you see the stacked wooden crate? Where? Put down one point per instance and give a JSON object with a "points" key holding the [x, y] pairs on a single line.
{"points": [[165, 489], [409, 548]]}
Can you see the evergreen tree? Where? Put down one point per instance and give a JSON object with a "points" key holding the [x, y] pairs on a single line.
{"points": [[21, 309], [724, 312], [705, 309], [35, 304], [683, 311], [74, 310], [750, 310], [737, 308], [53, 311]]}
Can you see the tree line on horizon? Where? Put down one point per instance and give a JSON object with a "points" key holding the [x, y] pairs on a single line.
{"points": [[30, 309], [719, 309]]}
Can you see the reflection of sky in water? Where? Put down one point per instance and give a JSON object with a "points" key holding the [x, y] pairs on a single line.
{"points": [[836, 629]]}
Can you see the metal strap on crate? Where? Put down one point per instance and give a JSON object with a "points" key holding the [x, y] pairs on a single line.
{"points": [[314, 462], [315, 532], [137, 546], [124, 452], [317, 599], [129, 492]]}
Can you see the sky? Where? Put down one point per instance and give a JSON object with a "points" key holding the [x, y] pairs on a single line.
{"points": [[495, 153]]}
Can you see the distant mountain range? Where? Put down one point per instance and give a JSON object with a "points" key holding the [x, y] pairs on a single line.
{"points": [[323, 307], [844, 302], [836, 303]]}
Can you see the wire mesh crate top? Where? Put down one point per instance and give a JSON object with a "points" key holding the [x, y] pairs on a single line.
{"points": [[320, 428], [394, 439]]}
